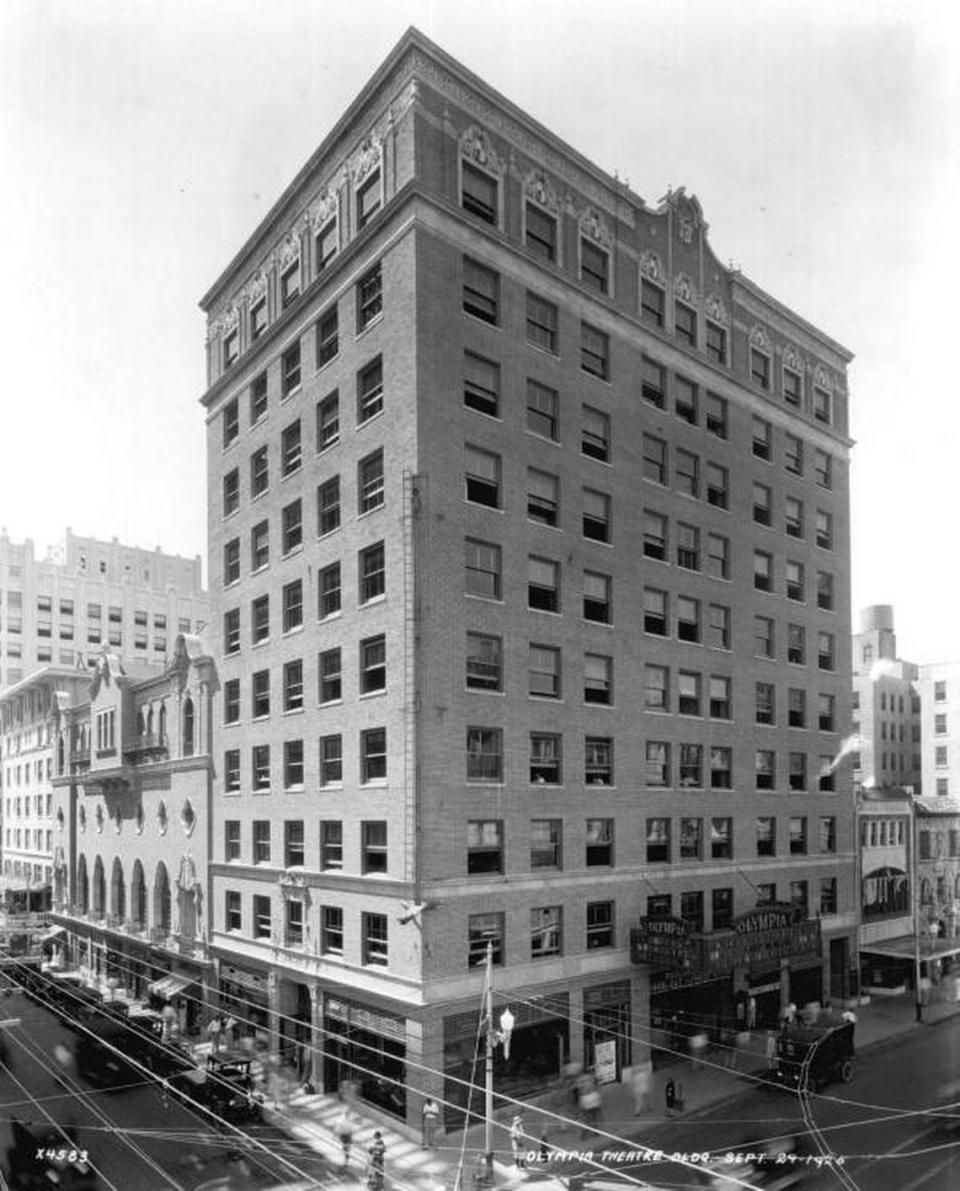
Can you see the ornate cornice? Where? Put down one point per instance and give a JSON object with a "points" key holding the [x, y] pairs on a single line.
{"points": [[288, 250], [651, 266], [759, 338], [792, 358], [475, 145], [821, 378], [537, 186], [594, 227], [325, 206], [716, 310], [684, 289], [366, 158]]}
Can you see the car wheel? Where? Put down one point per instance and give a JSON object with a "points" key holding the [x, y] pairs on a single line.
{"points": [[846, 1071]]}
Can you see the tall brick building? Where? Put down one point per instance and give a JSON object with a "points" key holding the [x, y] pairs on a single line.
{"points": [[529, 558]]}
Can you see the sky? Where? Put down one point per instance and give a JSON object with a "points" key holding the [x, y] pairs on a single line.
{"points": [[141, 143]]}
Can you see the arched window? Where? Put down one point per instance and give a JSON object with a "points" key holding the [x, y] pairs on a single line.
{"points": [[162, 725], [138, 896], [99, 889], [117, 891], [83, 886], [60, 754], [161, 898], [188, 727]]}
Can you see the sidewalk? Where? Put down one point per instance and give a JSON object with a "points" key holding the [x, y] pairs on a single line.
{"points": [[311, 1118]]}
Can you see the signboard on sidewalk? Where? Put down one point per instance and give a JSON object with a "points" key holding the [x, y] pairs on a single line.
{"points": [[605, 1062]]}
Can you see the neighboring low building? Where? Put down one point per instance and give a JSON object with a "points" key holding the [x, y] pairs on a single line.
{"points": [[886, 886], [886, 706], [131, 838], [939, 690]]}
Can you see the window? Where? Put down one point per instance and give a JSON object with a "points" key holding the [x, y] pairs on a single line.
{"points": [[825, 597], [826, 713], [652, 302], [260, 693], [718, 626], [370, 486], [759, 368], [795, 581], [374, 939], [598, 756], [292, 527], [824, 529], [828, 895], [293, 685], [688, 692], [369, 297], [543, 410], [231, 771], [293, 843], [940, 724], [657, 764], [718, 484], [327, 243], [762, 438], [373, 755], [797, 644], [331, 929], [828, 833], [292, 605], [328, 587], [481, 386], [793, 454], [482, 475], [233, 915], [231, 562], [720, 701], [259, 473], [691, 910], [653, 383], [292, 764], [721, 768], [798, 836], [328, 506], [231, 631], [595, 433], [658, 841], [762, 504], [259, 545], [940, 691], [368, 204], [766, 836], [798, 771], [231, 492], [721, 839], [290, 285], [542, 497], [484, 846], [594, 266], [766, 769], [685, 400], [716, 343], [597, 679], [691, 839], [796, 708], [261, 841], [542, 322], [685, 323], [546, 932], [369, 391], [546, 843], [543, 672], [373, 847], [792, 390], [330, 676], [331, 760], [597, 604], [485, 932], [231, 701], [258, 319], [688, 547], [290, 371], [823, 468], [762, 570], [688, 619], [372, 571], [545, 759], [373, 665], [656, 687], [691, 766], [261, 917], [793, 517], [479, 193], [543, 584], [484, 755], [331, 845], [722, 908], [826, 651], [594, 351], [481, 291], [654, 464], [654, 535], [328, 337], [231, 422], [482, 569], [596, 516], [821, 405], [687, 472], [484, 662], [655, 612], [541, 232]]}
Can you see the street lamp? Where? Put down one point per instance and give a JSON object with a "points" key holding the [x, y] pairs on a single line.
{"points": [[494, 1037]]}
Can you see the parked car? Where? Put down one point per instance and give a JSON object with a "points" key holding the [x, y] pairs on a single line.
{"points": [[810, 1056], [224, 1087]]}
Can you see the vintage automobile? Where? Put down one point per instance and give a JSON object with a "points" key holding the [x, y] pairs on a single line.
{"points": [[224, 1087], [810, 1056]]}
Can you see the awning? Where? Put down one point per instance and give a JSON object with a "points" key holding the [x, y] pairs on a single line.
{"points": [[73, 977], [171, 986], [905, 947], [53, 932]]}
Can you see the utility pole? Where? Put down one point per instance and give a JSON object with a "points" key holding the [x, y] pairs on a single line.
{"points": [[493, 1037], [914, 894]]}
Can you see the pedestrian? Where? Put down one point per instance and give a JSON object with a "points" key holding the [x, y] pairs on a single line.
{"points": [[670, 1097], [752, 1013], [431, 1119], [544, 1154], [678, 1096], [377, 1150], [771, 1051], [345, 1128], [518, 1141], [698, 1047]]}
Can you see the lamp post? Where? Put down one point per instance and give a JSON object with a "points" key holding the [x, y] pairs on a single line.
{"points": [[501, 1036], [914, 893]]}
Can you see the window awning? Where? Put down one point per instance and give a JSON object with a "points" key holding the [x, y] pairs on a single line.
{"points": [[171, 986], [904, 947], [53, 932]]}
